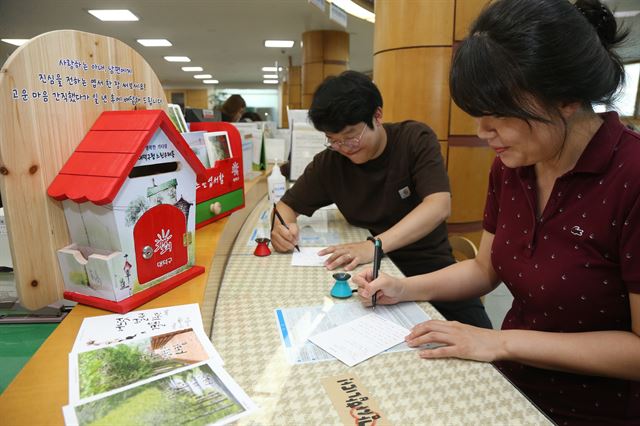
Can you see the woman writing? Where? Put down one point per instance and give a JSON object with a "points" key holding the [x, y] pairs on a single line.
{"points": [[562, 216]]}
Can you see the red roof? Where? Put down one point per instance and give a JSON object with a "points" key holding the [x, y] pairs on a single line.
{"points": [[104, 158]]}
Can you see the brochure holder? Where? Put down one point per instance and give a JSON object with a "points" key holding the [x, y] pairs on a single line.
{"points": [[220, 191]]}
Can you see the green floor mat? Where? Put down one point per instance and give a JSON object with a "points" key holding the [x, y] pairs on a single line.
{"points": [[18, 342]]}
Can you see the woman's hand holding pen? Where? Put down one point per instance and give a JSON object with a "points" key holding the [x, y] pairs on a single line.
{"points": [[284, 240], [390, 289], [347, 256]]}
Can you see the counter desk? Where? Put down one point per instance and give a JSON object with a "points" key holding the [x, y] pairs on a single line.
{"points": [[407, 389], [238, 295]]}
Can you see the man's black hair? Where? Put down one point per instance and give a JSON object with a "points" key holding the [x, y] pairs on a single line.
{"points": [[344, 100]]}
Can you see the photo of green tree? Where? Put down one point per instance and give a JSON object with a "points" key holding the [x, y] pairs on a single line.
{"points": [[113, 367], [192, 397]]}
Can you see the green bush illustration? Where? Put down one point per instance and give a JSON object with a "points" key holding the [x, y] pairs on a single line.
{"points": [[135, 209], [79, 277]]}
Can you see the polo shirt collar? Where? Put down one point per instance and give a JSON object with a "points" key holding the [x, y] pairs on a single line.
{"points": [[598, 153]]}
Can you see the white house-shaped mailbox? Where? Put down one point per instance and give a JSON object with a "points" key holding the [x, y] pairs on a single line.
{"points": [[128, 193]]}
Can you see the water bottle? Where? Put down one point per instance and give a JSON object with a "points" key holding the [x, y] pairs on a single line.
{"points": [[276, 184]]}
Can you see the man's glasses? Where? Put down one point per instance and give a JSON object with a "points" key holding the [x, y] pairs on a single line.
{"points": [[347, 144]]}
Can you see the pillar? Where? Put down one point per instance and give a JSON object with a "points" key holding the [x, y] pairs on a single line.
{"points": [[291, 93], [324, 53], [413, 45]]}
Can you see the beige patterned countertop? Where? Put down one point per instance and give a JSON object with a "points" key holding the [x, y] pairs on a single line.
{"points": [[409, 390]]}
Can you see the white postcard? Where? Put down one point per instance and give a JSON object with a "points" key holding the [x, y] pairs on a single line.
{"points": [[97, 371], [361, 338], [196, 142], [218, 146], [106, 330], [308, 256], [199, 394]]}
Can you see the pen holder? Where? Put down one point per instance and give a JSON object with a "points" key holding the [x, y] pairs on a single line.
{"points": [[262, 248], [341, 288]]}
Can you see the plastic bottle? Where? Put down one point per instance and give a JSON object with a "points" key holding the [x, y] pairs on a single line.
{"points": [[276, 184]]}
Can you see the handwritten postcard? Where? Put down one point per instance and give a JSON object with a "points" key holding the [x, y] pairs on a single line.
{"points": [[360, 339]]}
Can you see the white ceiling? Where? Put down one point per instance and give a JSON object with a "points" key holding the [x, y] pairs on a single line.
{"points": [[225, 37]]}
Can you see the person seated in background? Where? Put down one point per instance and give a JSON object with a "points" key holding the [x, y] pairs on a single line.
{"points": [[250, 116], [388, 178], [562, 216], [233, 108]]}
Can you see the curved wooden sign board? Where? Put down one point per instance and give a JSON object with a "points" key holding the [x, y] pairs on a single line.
{"points": [[52, 89]]}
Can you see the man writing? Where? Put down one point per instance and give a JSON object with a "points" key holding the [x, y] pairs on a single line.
{"points": [[387, 178]]}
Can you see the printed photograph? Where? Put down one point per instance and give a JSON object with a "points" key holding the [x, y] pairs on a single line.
{"points": [[218, 147], [193, 397], [113, 367]]}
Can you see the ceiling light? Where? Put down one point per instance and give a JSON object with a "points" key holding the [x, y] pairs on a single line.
{"points": [[210, 81], [271, 69], [201, 76], [278, 43], [16, 41], [187, 69], [268, 76], [113, 14], [626, 13], [177, 59], [154, 42], [270, 81], [352, 8]]}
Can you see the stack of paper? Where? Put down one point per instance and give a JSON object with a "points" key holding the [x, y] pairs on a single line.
{"points": [[348, 331], [150, 367]]}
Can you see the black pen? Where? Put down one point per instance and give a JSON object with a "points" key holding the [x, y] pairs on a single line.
{"points": [[276, 214], [377, 257]]}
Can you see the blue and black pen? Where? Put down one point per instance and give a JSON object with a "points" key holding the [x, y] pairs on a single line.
{"points": [[377, 258]]}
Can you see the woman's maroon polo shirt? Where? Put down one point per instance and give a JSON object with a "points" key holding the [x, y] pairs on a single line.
{"points": [[571, 269]]}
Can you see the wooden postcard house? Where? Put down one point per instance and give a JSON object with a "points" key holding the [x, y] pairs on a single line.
{"points": [[128, 193]]}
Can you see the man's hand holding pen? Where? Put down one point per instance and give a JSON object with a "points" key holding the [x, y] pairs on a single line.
{"points": [[284, 238]]}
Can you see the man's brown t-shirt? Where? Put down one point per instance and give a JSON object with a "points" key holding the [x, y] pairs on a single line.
{"points": [[379, 193]]}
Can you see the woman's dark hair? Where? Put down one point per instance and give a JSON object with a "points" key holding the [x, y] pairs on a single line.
{"points": [[519, 52], [250, 116], [345, 100], [233, 105]]}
